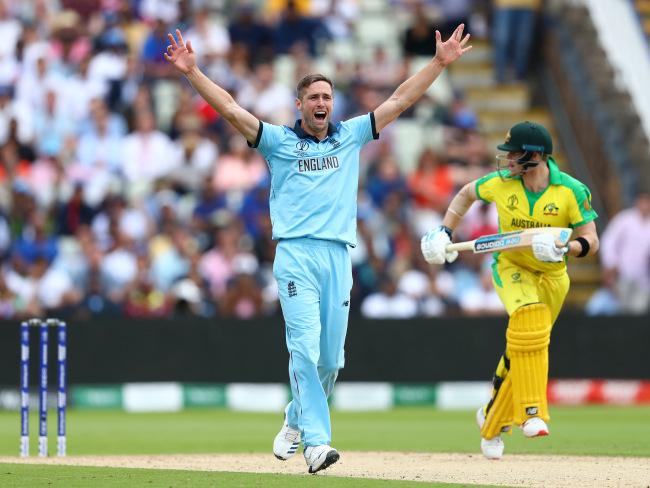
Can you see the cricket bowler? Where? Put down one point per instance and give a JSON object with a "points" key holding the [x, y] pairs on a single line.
{"points": [[314, 167]]}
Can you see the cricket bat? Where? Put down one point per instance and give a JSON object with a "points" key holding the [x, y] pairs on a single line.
{"points": [[510, 240]]}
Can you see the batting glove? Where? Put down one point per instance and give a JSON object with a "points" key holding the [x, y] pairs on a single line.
{"points": [[434, 246], [544, 248]]}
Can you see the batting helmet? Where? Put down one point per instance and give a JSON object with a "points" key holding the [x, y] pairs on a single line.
{"points": [[529, 137]]}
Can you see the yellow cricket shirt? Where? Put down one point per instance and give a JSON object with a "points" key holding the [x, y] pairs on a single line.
{"points": [[566, 202]]}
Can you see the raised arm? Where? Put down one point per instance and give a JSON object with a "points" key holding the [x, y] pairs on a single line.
{"points": [[182, 56], [413, 88]]}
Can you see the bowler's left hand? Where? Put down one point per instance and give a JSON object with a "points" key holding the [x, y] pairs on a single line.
{"points": [[453, 48]]}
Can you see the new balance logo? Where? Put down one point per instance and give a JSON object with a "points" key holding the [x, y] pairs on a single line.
{"points": [[531, 411], [346, 303], [291, 288]]}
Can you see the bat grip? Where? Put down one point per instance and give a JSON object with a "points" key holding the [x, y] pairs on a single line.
{"points": [[460, 246]]}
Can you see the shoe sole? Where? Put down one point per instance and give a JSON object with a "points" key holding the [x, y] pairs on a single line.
{"points": [[330, 459], [287, 457], [541, 433]]}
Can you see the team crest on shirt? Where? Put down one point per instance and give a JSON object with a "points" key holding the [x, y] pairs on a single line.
{"points": [[291, 289], [513, 201], [335, 143], [551, 209], [302, 146]]}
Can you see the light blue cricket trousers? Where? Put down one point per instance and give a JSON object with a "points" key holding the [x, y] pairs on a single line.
{"points": [[314, 278]]}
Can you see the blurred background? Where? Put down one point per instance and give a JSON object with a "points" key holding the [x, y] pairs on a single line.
{"points": [[123, 194]]}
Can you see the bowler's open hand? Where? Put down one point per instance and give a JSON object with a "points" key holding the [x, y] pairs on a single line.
{"points": [[453, 48], [181, 55]]}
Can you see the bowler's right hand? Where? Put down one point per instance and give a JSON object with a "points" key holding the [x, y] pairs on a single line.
{"points": [[181, 55], [434, 246]]}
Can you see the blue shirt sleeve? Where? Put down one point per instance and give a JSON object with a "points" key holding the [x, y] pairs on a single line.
{"points": [[362, 128], [268, 139]]}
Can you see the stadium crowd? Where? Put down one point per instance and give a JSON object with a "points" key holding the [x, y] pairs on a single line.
{"points": [[121, 192]]}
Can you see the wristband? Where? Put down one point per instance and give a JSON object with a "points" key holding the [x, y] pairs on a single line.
{"points": [[585, 246], [447, 230]]}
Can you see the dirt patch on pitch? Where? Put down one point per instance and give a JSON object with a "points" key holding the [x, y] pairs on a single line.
{"points": [[468, 469]]}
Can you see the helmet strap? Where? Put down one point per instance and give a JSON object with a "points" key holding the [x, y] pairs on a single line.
{"points": [[526, 160]]}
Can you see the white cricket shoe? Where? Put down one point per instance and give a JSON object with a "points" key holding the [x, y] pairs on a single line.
{"points": [[320, 457], [492, 448], [286, 442], [534, 427]]}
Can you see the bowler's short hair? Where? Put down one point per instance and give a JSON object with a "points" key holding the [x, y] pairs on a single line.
{"points": [[308, 80]]}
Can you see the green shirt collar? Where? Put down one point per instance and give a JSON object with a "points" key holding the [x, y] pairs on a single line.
{"points": [[554, 172]]}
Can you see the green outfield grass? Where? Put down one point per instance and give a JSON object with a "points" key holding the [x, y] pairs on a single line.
{"points": [[611, 431]]}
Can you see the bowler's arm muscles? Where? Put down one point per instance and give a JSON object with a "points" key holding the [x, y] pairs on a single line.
{"points": [[460, 204], [407, 94], [588, 232], [219, 99]]}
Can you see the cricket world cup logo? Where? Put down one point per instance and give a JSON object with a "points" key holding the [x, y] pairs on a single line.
{"points": [[513, 201]]}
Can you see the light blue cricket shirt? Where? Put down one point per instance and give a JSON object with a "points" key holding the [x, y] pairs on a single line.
{"points": [[314, 183]]}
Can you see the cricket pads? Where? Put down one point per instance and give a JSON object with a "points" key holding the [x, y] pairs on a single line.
{"points": [[499, 411], [527, 338]]}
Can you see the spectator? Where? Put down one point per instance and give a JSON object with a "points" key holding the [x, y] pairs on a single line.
{"points": [[247, 31], [625, 254], [17, 111], [143, 299], [147, 152], [382, 72], [54, 288], [35, 241], [153, 48], [267, 98], [420, 37], [386, 179], [294, 29], [242, 299], [388, 302], [513, 29], [74, 213], [431, 186], [195, 156], [239, 169], [225, 259], [210, 38], [338, 16], [100, 153]]}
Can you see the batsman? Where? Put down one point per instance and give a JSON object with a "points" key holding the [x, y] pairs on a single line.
{"points": [[530, 192]]}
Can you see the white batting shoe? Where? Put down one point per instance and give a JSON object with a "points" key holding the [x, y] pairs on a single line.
{"points": [[535, 427], [320, 457], [286, 442], [492, 448]]}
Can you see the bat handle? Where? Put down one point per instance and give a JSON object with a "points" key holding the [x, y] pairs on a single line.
{"points": [[460, 246]]}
